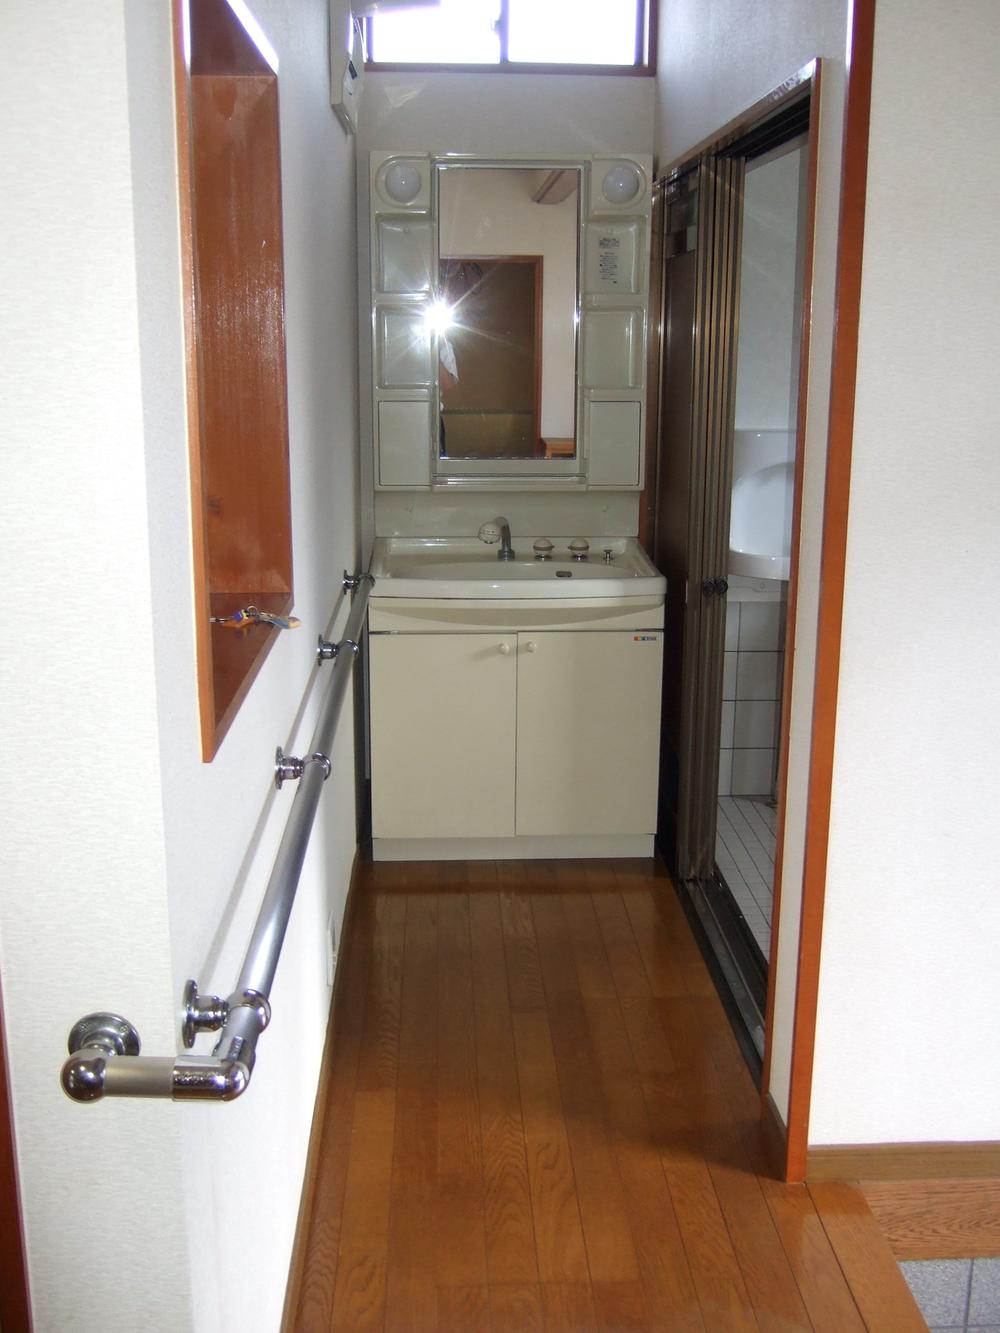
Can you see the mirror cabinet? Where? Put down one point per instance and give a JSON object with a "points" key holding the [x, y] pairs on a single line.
{"points": [[509, 311]]}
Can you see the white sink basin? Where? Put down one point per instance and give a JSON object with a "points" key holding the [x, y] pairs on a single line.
{"points": [[466, 568], [760, 525], [754, 565]]}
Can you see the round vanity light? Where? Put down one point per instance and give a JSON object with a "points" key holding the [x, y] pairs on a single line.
{"points": [[402, 182], [621, 184]]}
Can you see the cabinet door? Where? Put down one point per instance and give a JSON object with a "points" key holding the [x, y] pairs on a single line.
{"points": [[443, 735], [588, 724]]}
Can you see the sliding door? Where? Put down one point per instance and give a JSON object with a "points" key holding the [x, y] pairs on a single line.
{"points": [[691, 533], [729, 379]]}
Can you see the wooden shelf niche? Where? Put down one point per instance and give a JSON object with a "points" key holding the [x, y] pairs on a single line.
{"points": [[230, 189]]}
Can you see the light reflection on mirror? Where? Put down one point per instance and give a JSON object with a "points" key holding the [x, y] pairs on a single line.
{"points": [[506, 312]]}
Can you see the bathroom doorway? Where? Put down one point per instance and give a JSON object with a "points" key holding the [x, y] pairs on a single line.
{"points": [[772, 252], [736, 223]]}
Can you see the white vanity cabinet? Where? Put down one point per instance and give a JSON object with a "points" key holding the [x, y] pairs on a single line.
{"points": [[444, 731], [588, 727], [533, 732]]}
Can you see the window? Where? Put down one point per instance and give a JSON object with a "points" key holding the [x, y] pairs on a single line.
{"points": [[612, 35]]}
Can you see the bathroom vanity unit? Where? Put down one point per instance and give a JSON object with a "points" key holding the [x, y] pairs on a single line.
{"points": [[514, 704], [515, 692]]}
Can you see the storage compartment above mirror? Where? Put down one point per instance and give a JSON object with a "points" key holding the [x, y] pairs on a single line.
{"points": [[509, 311]]}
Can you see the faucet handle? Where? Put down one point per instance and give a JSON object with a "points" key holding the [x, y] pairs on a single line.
{"points": [[542, 548], [579, 547], [492, 531]]}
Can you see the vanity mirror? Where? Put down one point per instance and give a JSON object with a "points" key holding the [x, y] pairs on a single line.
{"points": [[509, 320], [506, 314]]}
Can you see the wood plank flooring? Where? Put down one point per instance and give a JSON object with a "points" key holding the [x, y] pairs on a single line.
{"points": [[937, 1219], [538, 1118]]}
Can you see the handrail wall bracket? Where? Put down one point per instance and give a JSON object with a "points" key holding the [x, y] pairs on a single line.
{"points": [[105, 1061], [93, 1041], [353, 581], [287, 767], [202, 1013]]}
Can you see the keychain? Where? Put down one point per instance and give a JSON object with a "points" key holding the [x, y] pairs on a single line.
{"points": [[250, 615]]}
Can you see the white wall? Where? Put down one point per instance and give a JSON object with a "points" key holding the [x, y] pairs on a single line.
{"points": [[83, 915], [506, 113], [716, 61], [127, 851], [907, 1040], [497, 113]]}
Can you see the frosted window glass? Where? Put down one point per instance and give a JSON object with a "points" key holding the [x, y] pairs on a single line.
{"points": [[554, 32], [587, 32], [459, 32]]}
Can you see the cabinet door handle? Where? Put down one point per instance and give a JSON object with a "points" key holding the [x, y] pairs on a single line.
{"points": [[531, 646], [504, 648]]}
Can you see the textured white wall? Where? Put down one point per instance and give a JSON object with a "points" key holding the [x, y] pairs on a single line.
{"points": [[715, 61], [83, 914], [907, 1040], [128, 842], [224, 820], [506, 113], [498, 113]]}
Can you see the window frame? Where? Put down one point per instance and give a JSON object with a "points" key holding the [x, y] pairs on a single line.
{"points": [[644, 65]]}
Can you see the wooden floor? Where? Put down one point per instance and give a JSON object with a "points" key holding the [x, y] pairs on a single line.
{"points": [[536, 1117], [937, 1219]]}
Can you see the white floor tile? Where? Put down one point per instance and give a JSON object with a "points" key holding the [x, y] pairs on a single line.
{"points": [[754, 835], [756, 921], [763, 818], [744, 854]]}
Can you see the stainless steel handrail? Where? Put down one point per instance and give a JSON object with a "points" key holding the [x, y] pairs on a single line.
{"points": [[104, 1048]]}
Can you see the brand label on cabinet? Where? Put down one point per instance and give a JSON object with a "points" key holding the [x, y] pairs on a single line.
{"points": [[643, 638]]}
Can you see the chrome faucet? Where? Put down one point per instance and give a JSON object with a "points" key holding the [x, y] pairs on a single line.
{"points": [[498, 530]]}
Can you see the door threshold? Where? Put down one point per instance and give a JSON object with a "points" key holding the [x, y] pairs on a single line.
{"points": [[738, 976]]}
